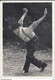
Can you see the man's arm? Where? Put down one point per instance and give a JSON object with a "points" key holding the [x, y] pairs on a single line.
{"points": [[35, 23], [43, 17], [25, 10]]}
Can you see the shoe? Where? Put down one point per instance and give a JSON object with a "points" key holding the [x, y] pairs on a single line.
{"points": [[26, 74], [43, 67]]}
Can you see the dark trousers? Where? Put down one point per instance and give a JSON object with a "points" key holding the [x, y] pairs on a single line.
{"points": [[31, 48]]}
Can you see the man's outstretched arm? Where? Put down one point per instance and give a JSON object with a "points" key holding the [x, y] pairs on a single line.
{"points": [[20, 21], [35, 23], [43, 17]]}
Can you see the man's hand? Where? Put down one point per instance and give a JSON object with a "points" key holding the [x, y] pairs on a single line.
{"points": [[45, 12], [25, 10]]}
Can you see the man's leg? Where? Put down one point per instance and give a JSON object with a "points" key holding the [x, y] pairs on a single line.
{"points": [[27, 64], [30, 57], [33, 47], [29, 53], [37, 62]]}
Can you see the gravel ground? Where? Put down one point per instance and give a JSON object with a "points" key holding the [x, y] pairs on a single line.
{"points": [[14, 59]]}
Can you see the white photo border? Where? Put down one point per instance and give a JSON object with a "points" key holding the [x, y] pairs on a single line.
{"points": [[1, 39]]}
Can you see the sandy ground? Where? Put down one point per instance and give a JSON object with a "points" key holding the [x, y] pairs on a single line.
{"points": [[14, 59]]}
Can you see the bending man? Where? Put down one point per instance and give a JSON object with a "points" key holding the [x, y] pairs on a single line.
{"points": [[28, 35]]}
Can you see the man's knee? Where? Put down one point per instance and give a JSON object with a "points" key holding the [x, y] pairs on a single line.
{"points": [[29, 56]]}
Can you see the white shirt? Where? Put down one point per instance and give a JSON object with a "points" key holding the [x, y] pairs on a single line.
{"points": [[24, 33]]}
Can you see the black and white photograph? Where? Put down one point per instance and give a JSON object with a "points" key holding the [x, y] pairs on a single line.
{"points": [[27, 39]]}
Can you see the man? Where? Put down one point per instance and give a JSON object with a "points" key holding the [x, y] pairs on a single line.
{"points": [[28, 35]]}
